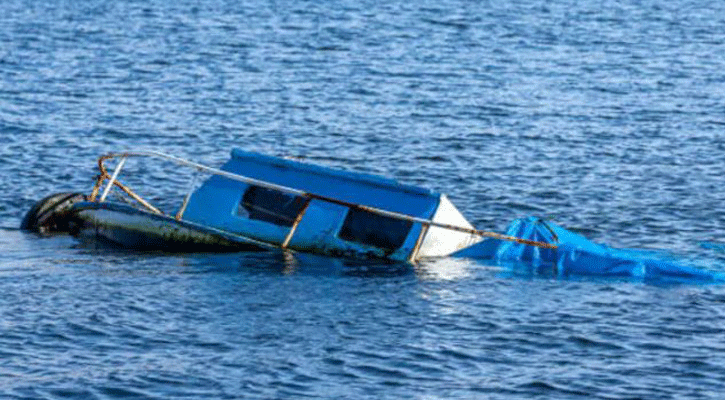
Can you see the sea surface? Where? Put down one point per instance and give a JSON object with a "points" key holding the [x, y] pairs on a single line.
{"points": [[607, 117]]}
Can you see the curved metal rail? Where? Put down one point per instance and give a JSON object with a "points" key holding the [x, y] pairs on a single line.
{"points": [[113, 180]]}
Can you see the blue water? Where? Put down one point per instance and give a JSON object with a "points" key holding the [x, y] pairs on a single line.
{"points": [[606, 116]]}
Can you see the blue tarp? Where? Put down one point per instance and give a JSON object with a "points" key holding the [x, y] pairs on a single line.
{"points": [[578, 256]]}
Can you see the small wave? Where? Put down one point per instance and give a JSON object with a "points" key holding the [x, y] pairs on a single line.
{"points": [[542, 387], [588, 343], [124, 392]]}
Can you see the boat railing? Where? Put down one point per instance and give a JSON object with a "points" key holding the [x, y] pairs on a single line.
{"points": [[112, 179]]}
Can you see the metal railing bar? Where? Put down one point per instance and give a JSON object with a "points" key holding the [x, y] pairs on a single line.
{"points": [[295, 224], [185, 202], [113, 178], [419, 242]]}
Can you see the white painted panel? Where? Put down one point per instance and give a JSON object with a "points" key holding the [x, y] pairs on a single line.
{"points": [[442, 242]]}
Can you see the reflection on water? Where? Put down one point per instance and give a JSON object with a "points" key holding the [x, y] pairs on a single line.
{"points": [[447, 269]]}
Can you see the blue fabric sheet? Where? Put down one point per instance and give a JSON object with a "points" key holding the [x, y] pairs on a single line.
{"points": [[578, 256]]}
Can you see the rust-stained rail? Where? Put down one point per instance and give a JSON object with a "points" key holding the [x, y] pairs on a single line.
{"points": [[113, 181], [251, 181]]}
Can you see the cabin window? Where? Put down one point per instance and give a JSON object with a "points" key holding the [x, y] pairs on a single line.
{"points": [[270, 205], [374, 230]]}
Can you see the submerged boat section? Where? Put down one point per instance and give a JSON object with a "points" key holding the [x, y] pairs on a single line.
{"points": [[125, 226], [258, 201]]}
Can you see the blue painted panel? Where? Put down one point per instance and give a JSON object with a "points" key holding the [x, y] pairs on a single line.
{"points": [[321, 221], [317, 232], [215, 204]]}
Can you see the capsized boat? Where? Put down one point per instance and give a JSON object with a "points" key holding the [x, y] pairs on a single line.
{"points": [[258, 202]]}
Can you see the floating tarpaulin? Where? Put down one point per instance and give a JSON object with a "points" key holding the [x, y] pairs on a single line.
{"points": [[575, 255]]}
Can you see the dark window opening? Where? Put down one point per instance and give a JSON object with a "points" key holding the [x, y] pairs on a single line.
{"points": [[374, 230], [270, 205]]}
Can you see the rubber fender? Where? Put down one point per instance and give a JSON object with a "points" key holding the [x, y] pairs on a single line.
{"points": [[52, 213]]}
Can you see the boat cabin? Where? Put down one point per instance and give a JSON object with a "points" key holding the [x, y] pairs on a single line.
{"points": [[346, 226]]}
